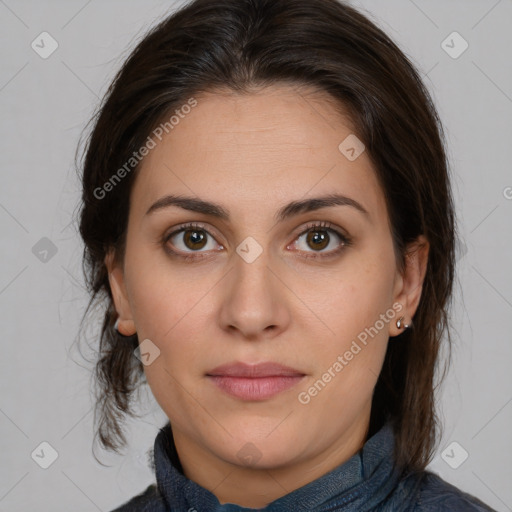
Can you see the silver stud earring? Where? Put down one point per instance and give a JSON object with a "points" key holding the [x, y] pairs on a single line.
{"points": [[399, 323]]}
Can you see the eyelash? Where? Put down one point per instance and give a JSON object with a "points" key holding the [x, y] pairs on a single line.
{"points": [[326, 226]]}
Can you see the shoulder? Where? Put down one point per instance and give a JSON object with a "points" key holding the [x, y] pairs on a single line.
{"points": [[149, 500], [435, 494]]}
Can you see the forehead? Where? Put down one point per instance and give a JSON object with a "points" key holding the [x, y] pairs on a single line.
{"points": [[261, 149]]}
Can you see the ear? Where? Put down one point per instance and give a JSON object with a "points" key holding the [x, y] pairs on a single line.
{"points": [[409, 284], [126, 324]]}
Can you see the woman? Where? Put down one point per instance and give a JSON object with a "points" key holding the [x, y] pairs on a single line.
{"points": [[268, 221]]}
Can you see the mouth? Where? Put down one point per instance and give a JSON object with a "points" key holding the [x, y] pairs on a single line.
{"points": [[254, 382]]}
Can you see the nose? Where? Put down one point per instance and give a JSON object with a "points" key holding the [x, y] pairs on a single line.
{"points": [[254, 301]]}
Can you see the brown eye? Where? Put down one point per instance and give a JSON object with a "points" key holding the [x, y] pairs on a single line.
{"points": [[318, 239], [194, 239], [190, 241]]}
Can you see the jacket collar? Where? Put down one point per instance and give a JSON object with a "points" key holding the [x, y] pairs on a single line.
{"points": [[361, 483]]}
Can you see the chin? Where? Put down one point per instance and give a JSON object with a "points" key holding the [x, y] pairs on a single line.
{"points": [[259, 451]]}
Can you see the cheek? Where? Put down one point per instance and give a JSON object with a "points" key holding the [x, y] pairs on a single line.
{"points": [[357, 311], [348, 361], [169, 308], [355, 297], [161, 292], [171, 317]]}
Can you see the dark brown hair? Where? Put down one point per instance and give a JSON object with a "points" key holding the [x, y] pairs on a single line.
{"points": [[240, 44]]}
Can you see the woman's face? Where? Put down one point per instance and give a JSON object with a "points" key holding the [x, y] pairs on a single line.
{"points": [[260, 284]]}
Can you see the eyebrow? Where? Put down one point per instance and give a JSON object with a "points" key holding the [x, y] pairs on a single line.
{"points": [[291, 209]]}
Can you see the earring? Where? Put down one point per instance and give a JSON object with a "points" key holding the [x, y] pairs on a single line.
{"points": [[116, 327], [399, 323]]}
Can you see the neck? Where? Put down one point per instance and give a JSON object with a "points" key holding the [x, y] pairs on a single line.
{"points": [[256, 487]]}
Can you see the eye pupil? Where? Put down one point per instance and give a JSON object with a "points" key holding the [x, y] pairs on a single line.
{"points": [[196, 238], [318, 241]]}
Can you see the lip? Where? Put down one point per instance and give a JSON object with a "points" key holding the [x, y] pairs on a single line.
{"points": [[254, 382], [267, 369]]}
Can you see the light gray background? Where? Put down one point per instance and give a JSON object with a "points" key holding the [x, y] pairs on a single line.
{"points": [[45, 104]]}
